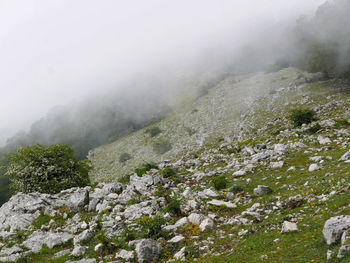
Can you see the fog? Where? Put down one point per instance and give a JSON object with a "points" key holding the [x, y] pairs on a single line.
{"points": [[61, 51]]}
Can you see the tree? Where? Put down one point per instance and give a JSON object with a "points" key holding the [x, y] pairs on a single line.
{"points": [[46, 169]]}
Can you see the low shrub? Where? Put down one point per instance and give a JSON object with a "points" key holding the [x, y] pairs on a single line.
{"points": [[302, 116], [341, 124], [124, 157], [168, 172], [151, 227], [153, 131], [237, 188], [145, 168], [220, 182], [173, 207], [161, 146], [315, 128]]}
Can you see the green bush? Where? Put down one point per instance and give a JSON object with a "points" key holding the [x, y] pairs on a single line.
{"points": [[341, 124], [145, 168], [315, 128], [153, 131], [237, 188], [46, 169], [173, 207], [168, 172], [124, 157], [151, 227], [302, 116], [161, 146], [220, 182]]}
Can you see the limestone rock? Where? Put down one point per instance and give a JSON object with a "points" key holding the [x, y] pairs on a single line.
{"points": [[51, 239], [335, 227], [148, 250], [262, 190], [289, 227]]}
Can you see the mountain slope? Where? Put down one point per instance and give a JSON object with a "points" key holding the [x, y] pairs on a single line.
{"points": [[218, 115]]}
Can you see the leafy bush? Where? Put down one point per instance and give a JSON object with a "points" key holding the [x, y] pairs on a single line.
{"points": [[125, 179], [174, 207], [161, 146], [237, 188], [46, 169], [220, 182], [124, 157], [153, 131], [341, 124], [168, 172], [302, 116], [145, 168], [190, 131], [151, 227], [315, 128]]}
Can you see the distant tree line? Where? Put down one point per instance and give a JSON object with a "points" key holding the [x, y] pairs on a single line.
{"points": [[322, 43]]}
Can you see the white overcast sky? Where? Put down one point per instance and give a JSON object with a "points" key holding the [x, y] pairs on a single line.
{"points": [[55, 51]]}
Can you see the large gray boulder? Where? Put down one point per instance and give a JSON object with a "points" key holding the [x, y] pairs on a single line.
{"points": [[335, 227], [148, 250], [22, 209], [79, 199], [51, 239]]}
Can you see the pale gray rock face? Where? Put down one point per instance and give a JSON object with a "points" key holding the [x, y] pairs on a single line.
{"points": [[206, 224], [126, 255], [9, 251], [275, 165], [289, 227], [15, 257], [136, 211], [85, 260], [79, 251], [110, 188], [180, 255], [22, 209], [84, 236], [220, 203], [323, 140], [141, 184], [314, 167], [262, 190], [79, 200], [39, 238], [196, 218], [344, 250], [345, 157], [335, 227], [148, 250]]}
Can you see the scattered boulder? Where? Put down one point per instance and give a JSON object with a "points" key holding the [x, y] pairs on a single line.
{"points": [[126, 255], [314, 167], [289, 227], [335, 227], [345, 157], [323, 140], [148, 250], [50, 239], [262, 190], [79, 200]]}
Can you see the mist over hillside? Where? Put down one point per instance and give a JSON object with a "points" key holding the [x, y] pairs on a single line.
{"points": [[102, 100]]}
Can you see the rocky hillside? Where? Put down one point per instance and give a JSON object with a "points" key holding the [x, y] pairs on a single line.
{"points": [[216, 116], [265, 192]]}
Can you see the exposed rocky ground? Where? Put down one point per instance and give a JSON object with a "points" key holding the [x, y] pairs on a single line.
{"points": [[272, 193]]}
